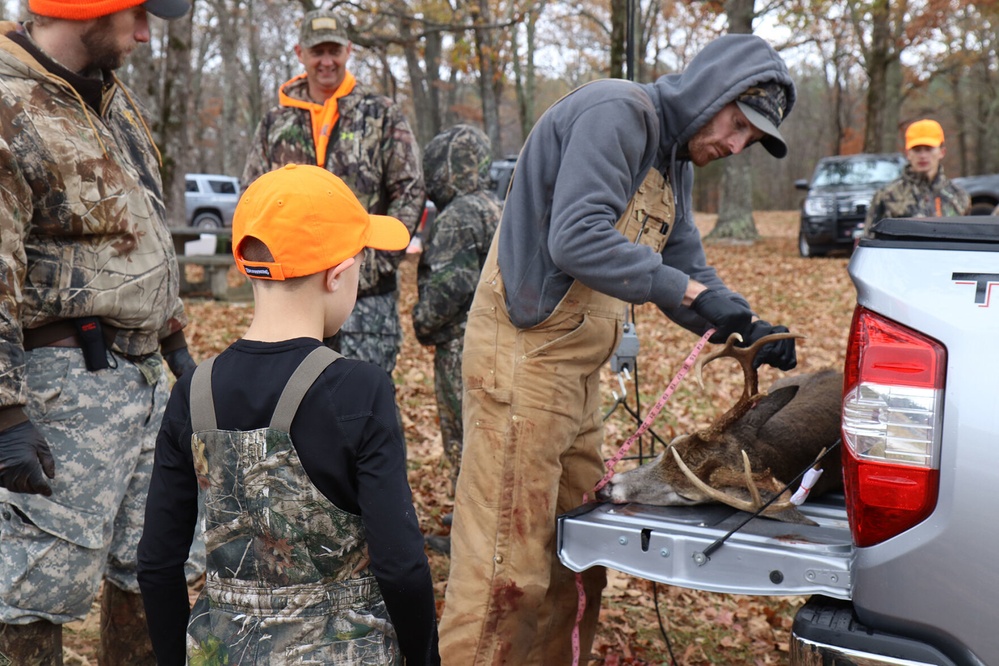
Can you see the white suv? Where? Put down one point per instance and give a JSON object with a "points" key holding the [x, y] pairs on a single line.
{"points": [[210, 200]]}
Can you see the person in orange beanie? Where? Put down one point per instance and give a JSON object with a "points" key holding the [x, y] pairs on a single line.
{"points": [[89, 296]]}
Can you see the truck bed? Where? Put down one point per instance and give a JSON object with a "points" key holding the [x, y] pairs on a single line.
{"points": [[668, 544]]}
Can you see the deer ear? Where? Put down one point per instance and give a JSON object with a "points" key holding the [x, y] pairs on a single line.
{"points": [[767, 406]]}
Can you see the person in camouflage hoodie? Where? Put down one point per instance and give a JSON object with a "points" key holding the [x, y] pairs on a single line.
{"points": [[456, 168], [327, 118], [89, 308], [922, 190]]}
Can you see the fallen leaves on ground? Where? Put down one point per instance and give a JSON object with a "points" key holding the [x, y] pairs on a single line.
{"points": [[813, 297]]}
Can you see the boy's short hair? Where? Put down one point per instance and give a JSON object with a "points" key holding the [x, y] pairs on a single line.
{"points": [[310, 221]]}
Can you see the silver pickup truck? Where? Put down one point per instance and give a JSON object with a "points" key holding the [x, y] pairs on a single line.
{"points": [[903, 567]]}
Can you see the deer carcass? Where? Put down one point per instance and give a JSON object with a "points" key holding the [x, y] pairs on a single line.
{"points": [[752, 451]]}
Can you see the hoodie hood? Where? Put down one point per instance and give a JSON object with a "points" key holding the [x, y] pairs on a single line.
{"points": [[456, 162], [722, 71]]}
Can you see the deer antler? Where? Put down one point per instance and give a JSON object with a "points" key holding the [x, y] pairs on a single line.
{"points": [[725, 498], [751, 387]]}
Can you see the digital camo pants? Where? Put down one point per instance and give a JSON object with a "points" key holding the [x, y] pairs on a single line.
{"points": [[101, 427]]}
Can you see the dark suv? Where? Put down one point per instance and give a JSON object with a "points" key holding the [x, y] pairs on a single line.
{"points": [[838, 196]]}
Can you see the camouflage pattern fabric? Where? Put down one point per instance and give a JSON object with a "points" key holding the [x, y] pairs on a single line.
{"points": [[373, 150], [447, 389], [82, 229], [287, 570], [372, 332], [102, 429], [911, 195], [456, 165]]}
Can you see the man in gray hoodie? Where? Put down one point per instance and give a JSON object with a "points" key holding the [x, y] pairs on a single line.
{"points": [[598, 216]]}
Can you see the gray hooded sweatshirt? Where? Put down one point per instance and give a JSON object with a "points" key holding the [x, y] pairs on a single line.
{"points": [[586, 157]]}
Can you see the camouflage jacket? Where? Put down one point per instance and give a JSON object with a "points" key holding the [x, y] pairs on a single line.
{"points": [[372, 148], [82, 215], [911, 195], [456, 165]]}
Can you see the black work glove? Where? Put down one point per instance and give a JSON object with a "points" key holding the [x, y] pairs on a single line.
{"points": [[180, 361], [725, 315], [24, 455], [779, 354]]}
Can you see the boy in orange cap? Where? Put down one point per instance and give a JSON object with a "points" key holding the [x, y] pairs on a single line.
{"points": [[922, 190], [314, 551]]}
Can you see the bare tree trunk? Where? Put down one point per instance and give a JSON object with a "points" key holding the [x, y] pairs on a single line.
{"points": [[524, 76], [433, 48], [228, 15], [486, 50], [878, 59], [420, 85], [173, 122], [735, 208], [618, 38], [254, 93]]}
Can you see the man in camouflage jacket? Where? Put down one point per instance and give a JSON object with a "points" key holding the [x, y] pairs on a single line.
{"points": [[325, 117], [89, 308], [456, 167], [922, 190]]}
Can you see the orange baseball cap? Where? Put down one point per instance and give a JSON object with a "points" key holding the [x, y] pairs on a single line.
{"points": [[310, 221], [924, 133], [85, 10]]}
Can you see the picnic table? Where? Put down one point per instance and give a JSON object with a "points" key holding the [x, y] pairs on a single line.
{"points": [[216, 265]]}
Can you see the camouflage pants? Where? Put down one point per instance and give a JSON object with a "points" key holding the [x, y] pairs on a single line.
{"points": [[372, 332], [101, 427], [447, 387]]}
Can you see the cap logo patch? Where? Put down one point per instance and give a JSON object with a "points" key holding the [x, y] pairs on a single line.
{"points": [[258, 271], [324, 23]]}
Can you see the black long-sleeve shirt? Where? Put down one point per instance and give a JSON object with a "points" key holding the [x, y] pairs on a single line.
{"points": [[347, 436]]}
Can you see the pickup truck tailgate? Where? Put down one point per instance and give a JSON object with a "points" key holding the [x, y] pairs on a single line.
{"points": [[667, 545]]}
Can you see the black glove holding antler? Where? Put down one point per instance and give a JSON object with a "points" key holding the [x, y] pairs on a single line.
{"points": [[726, 316], [779, 354]]}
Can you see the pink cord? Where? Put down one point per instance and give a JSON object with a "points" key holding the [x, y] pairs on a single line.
{"points": [[610, 464]]}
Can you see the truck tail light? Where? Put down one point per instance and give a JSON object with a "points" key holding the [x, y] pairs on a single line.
{"points": [[892, 413]]}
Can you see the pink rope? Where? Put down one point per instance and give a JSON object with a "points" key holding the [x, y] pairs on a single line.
{"points": [[612, 462]]}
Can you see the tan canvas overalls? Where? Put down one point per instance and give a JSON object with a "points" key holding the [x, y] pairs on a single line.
{"points": [[533, 433], [287, 574]]}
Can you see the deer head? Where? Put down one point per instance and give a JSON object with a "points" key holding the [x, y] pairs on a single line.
{"points": [[749, 453]]}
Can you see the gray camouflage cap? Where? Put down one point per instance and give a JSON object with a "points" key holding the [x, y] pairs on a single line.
{"points": [[764, 106], [320, 26]]}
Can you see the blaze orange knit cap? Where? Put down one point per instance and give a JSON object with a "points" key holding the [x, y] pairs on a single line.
{"points": [[310, 221], [85, 10], [924, 133]]}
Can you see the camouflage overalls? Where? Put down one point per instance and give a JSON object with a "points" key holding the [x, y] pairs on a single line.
{"points": [[912, 195], [533, 432], [374, 151], [456, 167], [287, 570]]}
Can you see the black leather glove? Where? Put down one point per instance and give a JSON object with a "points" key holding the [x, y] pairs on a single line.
{"points": [[726, 315], [24, 456], [779, 354], [180, 362]]}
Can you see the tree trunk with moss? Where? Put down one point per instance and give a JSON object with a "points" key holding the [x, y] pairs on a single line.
{"points": [[735, 207]]}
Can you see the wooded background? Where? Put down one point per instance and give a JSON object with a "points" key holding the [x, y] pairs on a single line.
{"points": [[864, 69]]}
